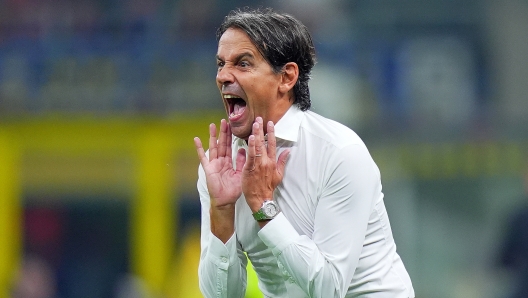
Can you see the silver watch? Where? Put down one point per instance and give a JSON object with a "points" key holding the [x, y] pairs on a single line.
{"points": [[268, 211]]}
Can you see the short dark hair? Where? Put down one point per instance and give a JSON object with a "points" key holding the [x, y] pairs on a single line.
{"points": [[280, 38]]}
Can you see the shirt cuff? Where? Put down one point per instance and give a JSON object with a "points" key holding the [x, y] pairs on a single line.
{"points": [[222, 254], [278, 233]]}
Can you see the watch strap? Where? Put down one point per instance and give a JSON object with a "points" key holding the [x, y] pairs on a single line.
{"points": [[259, 215]]}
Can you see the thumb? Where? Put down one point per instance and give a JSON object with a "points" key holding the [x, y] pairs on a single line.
{"points": [[281, 162], [240, 159]]}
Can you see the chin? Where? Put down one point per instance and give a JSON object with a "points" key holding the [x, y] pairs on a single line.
{"points": [[243, 134]]}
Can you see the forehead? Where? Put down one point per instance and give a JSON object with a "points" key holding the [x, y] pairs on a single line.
{"points": [[234, 41]]}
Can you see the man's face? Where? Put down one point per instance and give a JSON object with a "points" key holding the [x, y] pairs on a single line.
{"points": [[248, 85]]}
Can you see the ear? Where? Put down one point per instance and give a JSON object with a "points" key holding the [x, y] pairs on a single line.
{"points": [[289, 76]]}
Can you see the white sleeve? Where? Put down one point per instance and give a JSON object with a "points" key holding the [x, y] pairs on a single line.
{"points": [[222, 267], [324, 265]]}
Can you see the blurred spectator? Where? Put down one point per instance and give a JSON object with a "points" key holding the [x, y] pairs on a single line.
{"points": [[131, 286], [44, 232], [35, 280], [43, 237], [514, 252], [339, 94]]}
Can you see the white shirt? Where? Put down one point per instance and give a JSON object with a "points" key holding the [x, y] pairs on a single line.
{"points": [[332, 238]]}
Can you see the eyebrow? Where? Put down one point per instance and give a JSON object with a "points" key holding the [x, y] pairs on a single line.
{"points": [[239, 56]]}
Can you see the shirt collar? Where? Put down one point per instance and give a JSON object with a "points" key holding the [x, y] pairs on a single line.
{"points": [[287, 128]]}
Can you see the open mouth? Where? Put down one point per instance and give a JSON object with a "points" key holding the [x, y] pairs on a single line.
{"points": [[236, 104]]}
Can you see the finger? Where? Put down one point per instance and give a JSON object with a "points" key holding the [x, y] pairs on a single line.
{"points": [[229, 141], [272, 142], [240, 159], [250, 161], [281, 162], [213, 152], [200, 150], [259, 137], [222, 139]]}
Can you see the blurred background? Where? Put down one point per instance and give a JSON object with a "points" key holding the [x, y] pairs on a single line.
{"points": [[100, 100]]}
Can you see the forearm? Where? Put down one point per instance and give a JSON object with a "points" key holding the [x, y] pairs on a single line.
{"points": [[315, 275], [222, 221], [303, 263]]}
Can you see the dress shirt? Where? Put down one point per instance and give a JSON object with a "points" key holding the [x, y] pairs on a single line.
{"points": [[332, 238]]}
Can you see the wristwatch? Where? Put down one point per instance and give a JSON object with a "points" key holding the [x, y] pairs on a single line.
{"points": [[268, 211]]}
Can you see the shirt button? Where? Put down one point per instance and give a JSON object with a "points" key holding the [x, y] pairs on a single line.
{"points": [[223, 259]]}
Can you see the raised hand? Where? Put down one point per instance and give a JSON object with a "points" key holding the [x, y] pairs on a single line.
{"points": [[262, 171], [223, 181]]}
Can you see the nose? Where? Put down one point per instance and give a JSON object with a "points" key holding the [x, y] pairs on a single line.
{"points": [[224, 76]]}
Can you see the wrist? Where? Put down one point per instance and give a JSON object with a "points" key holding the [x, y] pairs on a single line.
{"points": [[255, 201], [224, 212], [223, 207]]}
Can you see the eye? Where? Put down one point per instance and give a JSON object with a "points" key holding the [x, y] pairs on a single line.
{"points": [[243, 63], [220, 63]]}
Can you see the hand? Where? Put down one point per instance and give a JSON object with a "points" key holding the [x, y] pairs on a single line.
{"points": [[262, 172], [223, 181]]}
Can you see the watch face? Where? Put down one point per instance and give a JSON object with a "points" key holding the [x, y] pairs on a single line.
{"points": [[270, 209]]}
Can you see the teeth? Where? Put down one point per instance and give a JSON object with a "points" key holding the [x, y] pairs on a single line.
{"points": [[233, 114], [230, 96]]}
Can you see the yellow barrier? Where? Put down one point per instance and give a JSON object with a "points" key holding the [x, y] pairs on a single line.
{"points": [[433, 161], [9, 211]]}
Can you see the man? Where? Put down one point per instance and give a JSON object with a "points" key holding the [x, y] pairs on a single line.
{"points": [[296, 192]]}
